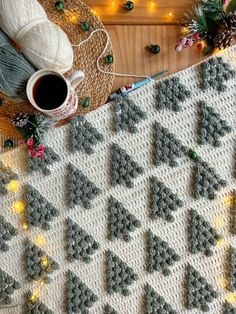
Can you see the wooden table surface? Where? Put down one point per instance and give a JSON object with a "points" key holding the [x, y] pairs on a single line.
{"points": [[151, 22]]}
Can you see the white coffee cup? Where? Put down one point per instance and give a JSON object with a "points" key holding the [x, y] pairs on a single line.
{"points": [[57, 107]]}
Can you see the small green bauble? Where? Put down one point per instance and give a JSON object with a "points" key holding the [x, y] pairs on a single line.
{"points": [[8, 143], [129, 5], [109, 59], [85, 26], [155, 49], [193, 155], [86, 102], [60, 5]]}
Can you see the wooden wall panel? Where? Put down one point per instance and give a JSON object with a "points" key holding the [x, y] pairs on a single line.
{"points": [[146, 12]]}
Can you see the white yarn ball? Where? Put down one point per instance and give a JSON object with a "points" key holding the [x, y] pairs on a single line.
{"points": [[44, 43]]}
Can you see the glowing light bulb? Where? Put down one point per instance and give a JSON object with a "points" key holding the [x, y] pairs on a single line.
{"points": [[19, 207], [229, 200], [151, 6], [42, 283], [25, 226], [74, 18], [221, 242], [34, 298], [14, 186], [45, 261], [230, 297], [170, 14], [40, 240], [94, 12], [184, 30]]}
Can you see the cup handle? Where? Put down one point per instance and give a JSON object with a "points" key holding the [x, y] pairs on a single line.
{"points": [[76, 78]]}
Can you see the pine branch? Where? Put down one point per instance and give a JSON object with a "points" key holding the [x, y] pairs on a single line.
{"points": [[213, 6], [214, 9], [196, 21]]}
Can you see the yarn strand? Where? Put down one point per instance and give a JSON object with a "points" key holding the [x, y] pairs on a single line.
{"points": [[101, 55]]}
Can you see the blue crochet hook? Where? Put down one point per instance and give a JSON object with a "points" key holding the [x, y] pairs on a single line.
{"points": [[129, 88]]}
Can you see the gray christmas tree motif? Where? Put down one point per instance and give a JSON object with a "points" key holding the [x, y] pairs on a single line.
{"points": [[8, 285], [120, 221], [119, 275], [155, 303], [160, 256], [167, 148], [124, 169], [80, 244], [6, 176], [84, 136], [80, 298], [127, 115], [109, 310], [40, 212], [163, 201], [212, 127], [206, 182], [42, 164], [215, 73], [7, 232], [171, 93], [33, 306], [202, 236], [229, 309], [38, 265], [198, 291], [232, 269], [81, 190]]}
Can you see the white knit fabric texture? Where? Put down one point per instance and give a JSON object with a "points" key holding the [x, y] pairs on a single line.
{"points": [[97, 167]]}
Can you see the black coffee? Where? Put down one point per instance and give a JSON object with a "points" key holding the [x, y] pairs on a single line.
{"points": [[49, 91]]}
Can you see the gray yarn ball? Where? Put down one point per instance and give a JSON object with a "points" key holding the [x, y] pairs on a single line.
{"points": [[15, 70]]}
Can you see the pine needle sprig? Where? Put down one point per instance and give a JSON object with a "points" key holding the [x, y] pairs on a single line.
{"points": [[211, 6], [41, 124], [214, 8], [32, 126], [196, 21]]}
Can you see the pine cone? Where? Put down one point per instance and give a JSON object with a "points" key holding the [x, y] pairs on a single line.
{"points": [[223, 39], [230, 22]]}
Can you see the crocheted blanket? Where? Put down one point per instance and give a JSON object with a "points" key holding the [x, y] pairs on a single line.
{"points": [[132, 209]]}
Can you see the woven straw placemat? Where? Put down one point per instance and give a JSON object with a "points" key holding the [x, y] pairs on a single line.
{"points": [[96, 85]]}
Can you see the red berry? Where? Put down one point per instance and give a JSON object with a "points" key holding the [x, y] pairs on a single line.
{"points": [[200, 46], [40, 155], [189, 42], [30, 142], [32, 153], [178, 48], [41, 148], [183, 41], [196, 36]]}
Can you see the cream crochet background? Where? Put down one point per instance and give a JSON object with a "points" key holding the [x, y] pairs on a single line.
{"points": [[94, 221]]}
